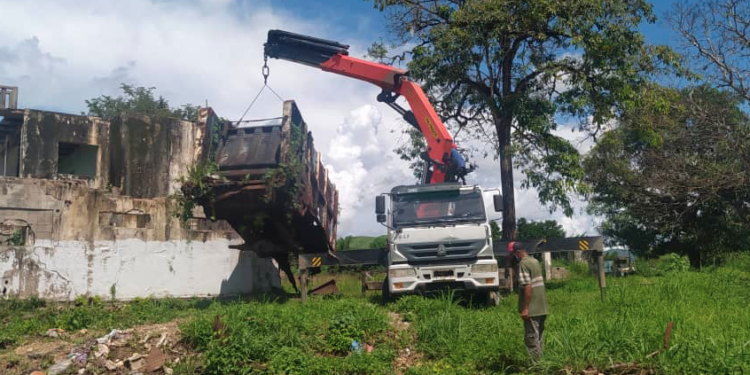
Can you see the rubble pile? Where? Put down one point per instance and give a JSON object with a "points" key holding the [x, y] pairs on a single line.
{"points": [[149, 349]]}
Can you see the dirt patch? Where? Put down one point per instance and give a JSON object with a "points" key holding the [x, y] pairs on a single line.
{"points": [[408, 356], [398, 322]]}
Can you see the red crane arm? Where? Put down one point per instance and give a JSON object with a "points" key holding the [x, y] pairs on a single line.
{"points": [[446, 163], [439, 141]]}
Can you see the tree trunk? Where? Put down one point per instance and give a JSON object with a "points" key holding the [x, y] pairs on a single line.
{"points": [[506, 178]]}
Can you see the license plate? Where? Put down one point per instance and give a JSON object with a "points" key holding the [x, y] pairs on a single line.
{"points": [[443, 273]]}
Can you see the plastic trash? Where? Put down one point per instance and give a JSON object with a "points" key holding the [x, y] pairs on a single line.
{"points": [[108, 337], [356, 346]]}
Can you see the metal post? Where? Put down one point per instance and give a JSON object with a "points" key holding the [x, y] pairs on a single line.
{"points": [[5, 157], [509, 271], [602, 280], [303, 284], [363, 280]]}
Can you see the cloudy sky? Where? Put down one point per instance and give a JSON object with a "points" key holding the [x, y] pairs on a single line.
{"points": [[61, 52]]}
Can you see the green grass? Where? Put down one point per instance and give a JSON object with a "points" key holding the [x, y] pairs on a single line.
{"points": [[20, 319], [709, 310], [314, 338], [362, 242]]}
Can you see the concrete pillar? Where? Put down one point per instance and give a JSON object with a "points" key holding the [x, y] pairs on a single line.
{"points": [[547, 259]]}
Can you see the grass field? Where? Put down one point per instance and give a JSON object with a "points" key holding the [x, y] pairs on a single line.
{"points": [[444, 334]]}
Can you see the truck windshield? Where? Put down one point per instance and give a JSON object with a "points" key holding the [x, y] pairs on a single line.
{"points": [[437, 208]]}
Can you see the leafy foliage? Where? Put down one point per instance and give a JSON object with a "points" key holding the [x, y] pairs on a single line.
{"points": [[672, 262], [18, 238], [138, 100], [529, 229], [360, 242], [674, 176], [495, 229], [505, 72], [200, 192]]}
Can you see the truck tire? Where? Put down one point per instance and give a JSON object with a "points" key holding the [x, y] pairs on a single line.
{"points": [[385, 291], [492, 298]]}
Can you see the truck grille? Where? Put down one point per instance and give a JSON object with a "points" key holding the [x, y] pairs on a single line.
{"points": [[421, 252]]}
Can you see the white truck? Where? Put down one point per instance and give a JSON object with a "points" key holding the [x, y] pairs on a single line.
{"points": [[439, 237]]}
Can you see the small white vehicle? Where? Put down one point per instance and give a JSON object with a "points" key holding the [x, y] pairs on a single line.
{"points": [[439, 238]]}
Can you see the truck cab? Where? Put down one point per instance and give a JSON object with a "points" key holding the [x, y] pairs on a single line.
{"points": [[438, 237]]}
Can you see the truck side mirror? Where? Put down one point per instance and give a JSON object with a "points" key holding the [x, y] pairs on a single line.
{"points": [[380, 206], [381, 218], [497, 200]]}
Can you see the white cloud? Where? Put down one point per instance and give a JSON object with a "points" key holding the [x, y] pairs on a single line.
{"points": [[363, 165], [61, 52]]}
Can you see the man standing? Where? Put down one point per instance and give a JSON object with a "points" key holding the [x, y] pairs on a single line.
{"points": [[532, 302]]}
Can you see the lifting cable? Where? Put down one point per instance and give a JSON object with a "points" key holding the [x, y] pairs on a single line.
{"points": [[266, 71]]}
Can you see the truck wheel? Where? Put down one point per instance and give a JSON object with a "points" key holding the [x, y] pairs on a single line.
{"points": [[385, 291], [493, 298]]}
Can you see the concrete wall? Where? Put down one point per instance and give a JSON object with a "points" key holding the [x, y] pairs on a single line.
{"points": [[42, 133], [85, 241], [152, 153], [11, 163]]}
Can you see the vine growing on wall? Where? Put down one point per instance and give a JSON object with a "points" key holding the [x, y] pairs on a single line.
{"points": [[195, 191]]}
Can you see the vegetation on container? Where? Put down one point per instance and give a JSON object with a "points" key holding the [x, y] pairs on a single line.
{"points": [[196, 190]]}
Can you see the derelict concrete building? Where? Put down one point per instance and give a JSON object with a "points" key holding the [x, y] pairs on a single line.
{"points": [[84, 210]]}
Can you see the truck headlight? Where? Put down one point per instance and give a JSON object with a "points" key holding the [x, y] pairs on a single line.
{"points": [[402, 272], [484, 268]]}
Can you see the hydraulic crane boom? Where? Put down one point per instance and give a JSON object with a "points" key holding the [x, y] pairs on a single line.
{"points": [[444, 162]]}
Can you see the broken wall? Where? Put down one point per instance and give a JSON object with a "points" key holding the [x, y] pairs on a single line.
{"points": [[152, 153], [83, 241], [70, 227], [46, 136]]}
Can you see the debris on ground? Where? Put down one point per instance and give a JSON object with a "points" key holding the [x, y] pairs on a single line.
{"points": [[407, 357], [55, 332], [148, 349]]}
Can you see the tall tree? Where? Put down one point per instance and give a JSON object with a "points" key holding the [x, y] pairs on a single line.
{"points": [[716, 38], [506, 71], [138, 100], [672, 176]]}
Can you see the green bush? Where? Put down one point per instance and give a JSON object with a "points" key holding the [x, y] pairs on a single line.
{"points": [[579, 268], [645, 267], [672, 262], [738, 261]]}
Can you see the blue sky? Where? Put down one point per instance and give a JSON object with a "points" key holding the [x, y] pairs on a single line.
{"points": [[61, 52], [359, 19]]}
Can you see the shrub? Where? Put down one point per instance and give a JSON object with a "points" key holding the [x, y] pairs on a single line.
{"points": [[738, 261], [645, 267], [672, 262], [579, 268]]}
